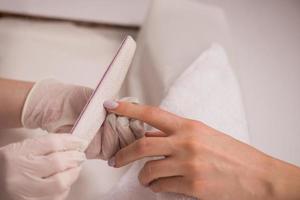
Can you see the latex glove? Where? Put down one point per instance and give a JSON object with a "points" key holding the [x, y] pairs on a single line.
{"points": [[42, 168], [117, 132], [54, 107]]}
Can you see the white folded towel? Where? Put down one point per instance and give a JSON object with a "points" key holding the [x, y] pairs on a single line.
{"points": [[206, 91]]}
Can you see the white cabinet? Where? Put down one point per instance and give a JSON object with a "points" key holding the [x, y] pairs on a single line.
{"points": [[121, 12]]}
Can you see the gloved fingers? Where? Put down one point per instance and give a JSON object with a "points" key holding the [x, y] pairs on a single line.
{"points": [[52, 143], [60, 182], [45, 166], [125, 134], [40, 111], [78, 98], [94, 148], [110, 139], [137, 128], [118, 132], [115, 133]]}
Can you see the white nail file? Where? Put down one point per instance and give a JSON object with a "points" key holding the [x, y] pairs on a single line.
{"points": [[93, 114]]}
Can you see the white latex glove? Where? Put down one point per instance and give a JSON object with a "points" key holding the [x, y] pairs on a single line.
{"points": [[42, 168], [54, 107]]}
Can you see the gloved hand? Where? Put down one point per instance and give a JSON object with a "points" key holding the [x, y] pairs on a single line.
{"points": [[54, 107], [41, 168], [116, 132]]}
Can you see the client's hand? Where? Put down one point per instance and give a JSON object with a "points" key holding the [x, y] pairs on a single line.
{"points": [[55, 107], [202, 162]]}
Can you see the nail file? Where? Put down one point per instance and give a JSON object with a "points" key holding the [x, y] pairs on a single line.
{"points": [[93, 114]]}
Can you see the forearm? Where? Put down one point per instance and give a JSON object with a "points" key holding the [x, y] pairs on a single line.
{"points": [[12, 97]]}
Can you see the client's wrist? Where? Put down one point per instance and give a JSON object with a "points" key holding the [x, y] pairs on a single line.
{"points": [[285, 180]]}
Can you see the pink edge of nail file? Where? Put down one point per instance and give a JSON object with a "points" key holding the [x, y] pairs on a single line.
{"points": [[93, 114]]}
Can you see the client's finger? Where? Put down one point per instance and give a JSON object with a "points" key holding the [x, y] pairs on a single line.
{"points": [[161, 168], [144, 147], [155, 134], [176, 184], [154, 116]]}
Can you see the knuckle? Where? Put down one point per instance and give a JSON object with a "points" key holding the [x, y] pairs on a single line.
{"points": [[192, 146], [193, 125], [192, 167], [142, 145]]}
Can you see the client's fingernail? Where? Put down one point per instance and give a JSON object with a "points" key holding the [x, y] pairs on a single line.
{"points": [[112, 162], [110, 104]]}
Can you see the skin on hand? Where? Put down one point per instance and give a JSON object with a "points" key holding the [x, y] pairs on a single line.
{"points": [[12, 97], [202, 162]]}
